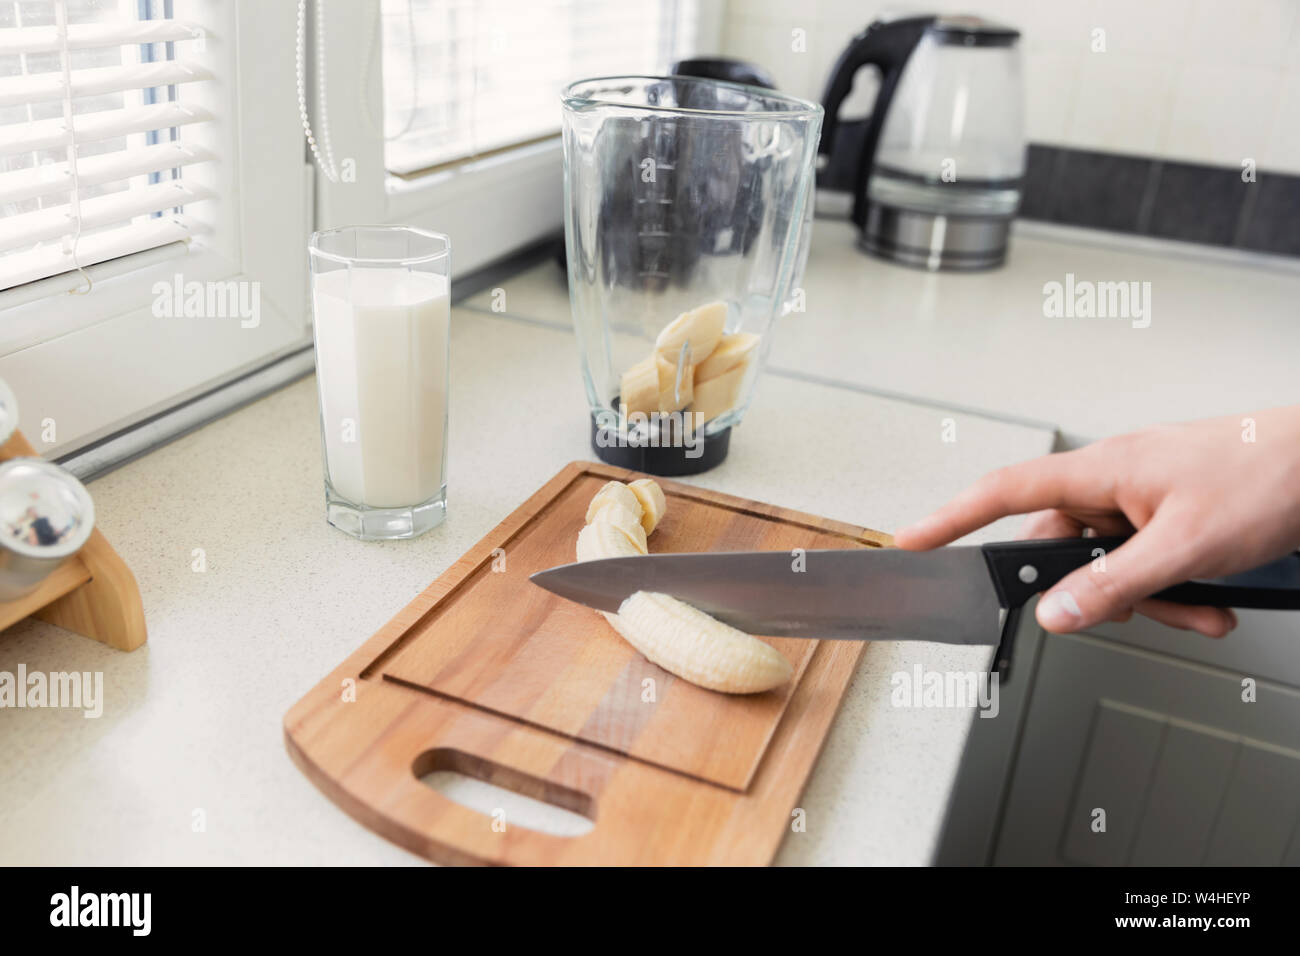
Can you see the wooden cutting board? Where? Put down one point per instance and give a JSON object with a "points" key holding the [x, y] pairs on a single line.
{"points": [[490, 676]]}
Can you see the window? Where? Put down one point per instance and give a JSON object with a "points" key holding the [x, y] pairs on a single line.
{"points": [[466, 78], [454, 125], [92, 149], [156, 206], [149, 145]]}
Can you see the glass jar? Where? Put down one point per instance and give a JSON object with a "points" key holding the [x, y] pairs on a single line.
{"points": [[688, 206]]}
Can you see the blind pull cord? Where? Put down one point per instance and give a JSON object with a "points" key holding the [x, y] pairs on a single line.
{"points": [[65, 56], [326, 161]]}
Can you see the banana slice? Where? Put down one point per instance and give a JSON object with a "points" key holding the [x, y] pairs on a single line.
{"points": [[626, 522], [639, 387], [701, 327], [603, 539], [653, 503], [670, 400], [614, 493], [687, 642], [718, 395], [651, 386], [732, 350]]}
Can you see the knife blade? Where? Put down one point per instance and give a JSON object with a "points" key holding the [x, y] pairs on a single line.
{"points": [[954, 595], [854, 595]]}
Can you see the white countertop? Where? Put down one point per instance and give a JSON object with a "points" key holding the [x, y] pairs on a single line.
{"points": [[1224, 334], [192, 720]]}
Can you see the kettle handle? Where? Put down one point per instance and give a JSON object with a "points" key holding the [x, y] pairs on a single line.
{"points": [[885, 44]]}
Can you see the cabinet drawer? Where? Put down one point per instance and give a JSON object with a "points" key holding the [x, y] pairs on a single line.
{"points": [[1266, 644]]}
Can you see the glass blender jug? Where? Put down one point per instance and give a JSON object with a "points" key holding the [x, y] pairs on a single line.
{"points": [[688, 208]]}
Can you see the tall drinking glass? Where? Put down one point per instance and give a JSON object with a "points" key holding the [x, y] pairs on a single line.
{"points": [[382, 312]]}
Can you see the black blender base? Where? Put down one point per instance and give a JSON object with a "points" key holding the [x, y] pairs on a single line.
{"points": [[672, 461]]}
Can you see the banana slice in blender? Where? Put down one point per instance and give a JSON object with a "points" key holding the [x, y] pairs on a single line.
{"points": [[732, 350], [702, 327]]}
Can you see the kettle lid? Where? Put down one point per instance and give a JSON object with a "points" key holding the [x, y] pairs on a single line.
{"points": [[966, 30]]}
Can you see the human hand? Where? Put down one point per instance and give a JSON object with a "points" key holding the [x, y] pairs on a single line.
{"points": [[1205, 499]]}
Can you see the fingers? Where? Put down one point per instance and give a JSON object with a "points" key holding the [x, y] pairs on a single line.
{"points": [[1210, 621], [1050, 524], [1064, 480], [1061, 524], [1154, 558]]}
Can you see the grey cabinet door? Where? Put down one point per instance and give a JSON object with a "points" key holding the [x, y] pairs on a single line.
{"points": [[1133, 758]]}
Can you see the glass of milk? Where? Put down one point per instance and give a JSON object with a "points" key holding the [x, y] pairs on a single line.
{"points": [[380, 297]]}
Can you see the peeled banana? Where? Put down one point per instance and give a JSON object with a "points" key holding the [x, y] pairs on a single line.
{"points": [[653, 503], [679, 638], [687, 642]]}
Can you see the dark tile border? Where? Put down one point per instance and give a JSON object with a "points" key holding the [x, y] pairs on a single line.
{"points": [[1189, 202], [1274, 223]]}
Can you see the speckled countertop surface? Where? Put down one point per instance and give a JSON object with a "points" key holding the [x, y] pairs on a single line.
{"points": [[191, 728]]}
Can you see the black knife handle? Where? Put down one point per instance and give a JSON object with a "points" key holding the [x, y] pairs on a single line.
{"points": [[1021, 569]]}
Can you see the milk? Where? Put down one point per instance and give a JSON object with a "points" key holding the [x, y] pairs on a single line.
{"points": [[381, 366]]}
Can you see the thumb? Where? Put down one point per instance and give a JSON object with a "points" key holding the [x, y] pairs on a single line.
{"points": [[1111, 583]]}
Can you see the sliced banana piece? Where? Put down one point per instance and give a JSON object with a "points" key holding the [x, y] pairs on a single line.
{"points": [[702, 327], [718, 395], [626, 522], [614, 493], [639, 387], [732, 350], [671, 397], [687, 642], [651, 386], [603, 539], [653, 502]]}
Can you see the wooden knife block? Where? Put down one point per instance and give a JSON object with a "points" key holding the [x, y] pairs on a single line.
{"points": [[93, 593]]}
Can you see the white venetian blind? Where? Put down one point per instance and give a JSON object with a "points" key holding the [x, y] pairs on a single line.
{"points": [[463, 78], [92, 144]]}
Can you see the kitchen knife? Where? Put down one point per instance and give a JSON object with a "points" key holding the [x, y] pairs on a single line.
{"points": [[954, 595]]}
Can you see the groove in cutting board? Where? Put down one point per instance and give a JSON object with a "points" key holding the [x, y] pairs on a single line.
{"points": [[510, 647], [578, 741], [414, 627]]}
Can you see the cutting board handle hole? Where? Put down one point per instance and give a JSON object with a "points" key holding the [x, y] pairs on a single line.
{"points": [[504, 794]]}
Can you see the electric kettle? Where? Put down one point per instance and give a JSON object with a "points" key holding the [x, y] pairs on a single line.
{"points": [[936, 169]]}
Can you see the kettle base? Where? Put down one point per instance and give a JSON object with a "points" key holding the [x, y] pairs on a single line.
{"points": [[935, 242]]}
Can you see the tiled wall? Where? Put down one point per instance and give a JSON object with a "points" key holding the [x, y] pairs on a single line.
{"points": [[1203, 81], [1163, 198]]}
